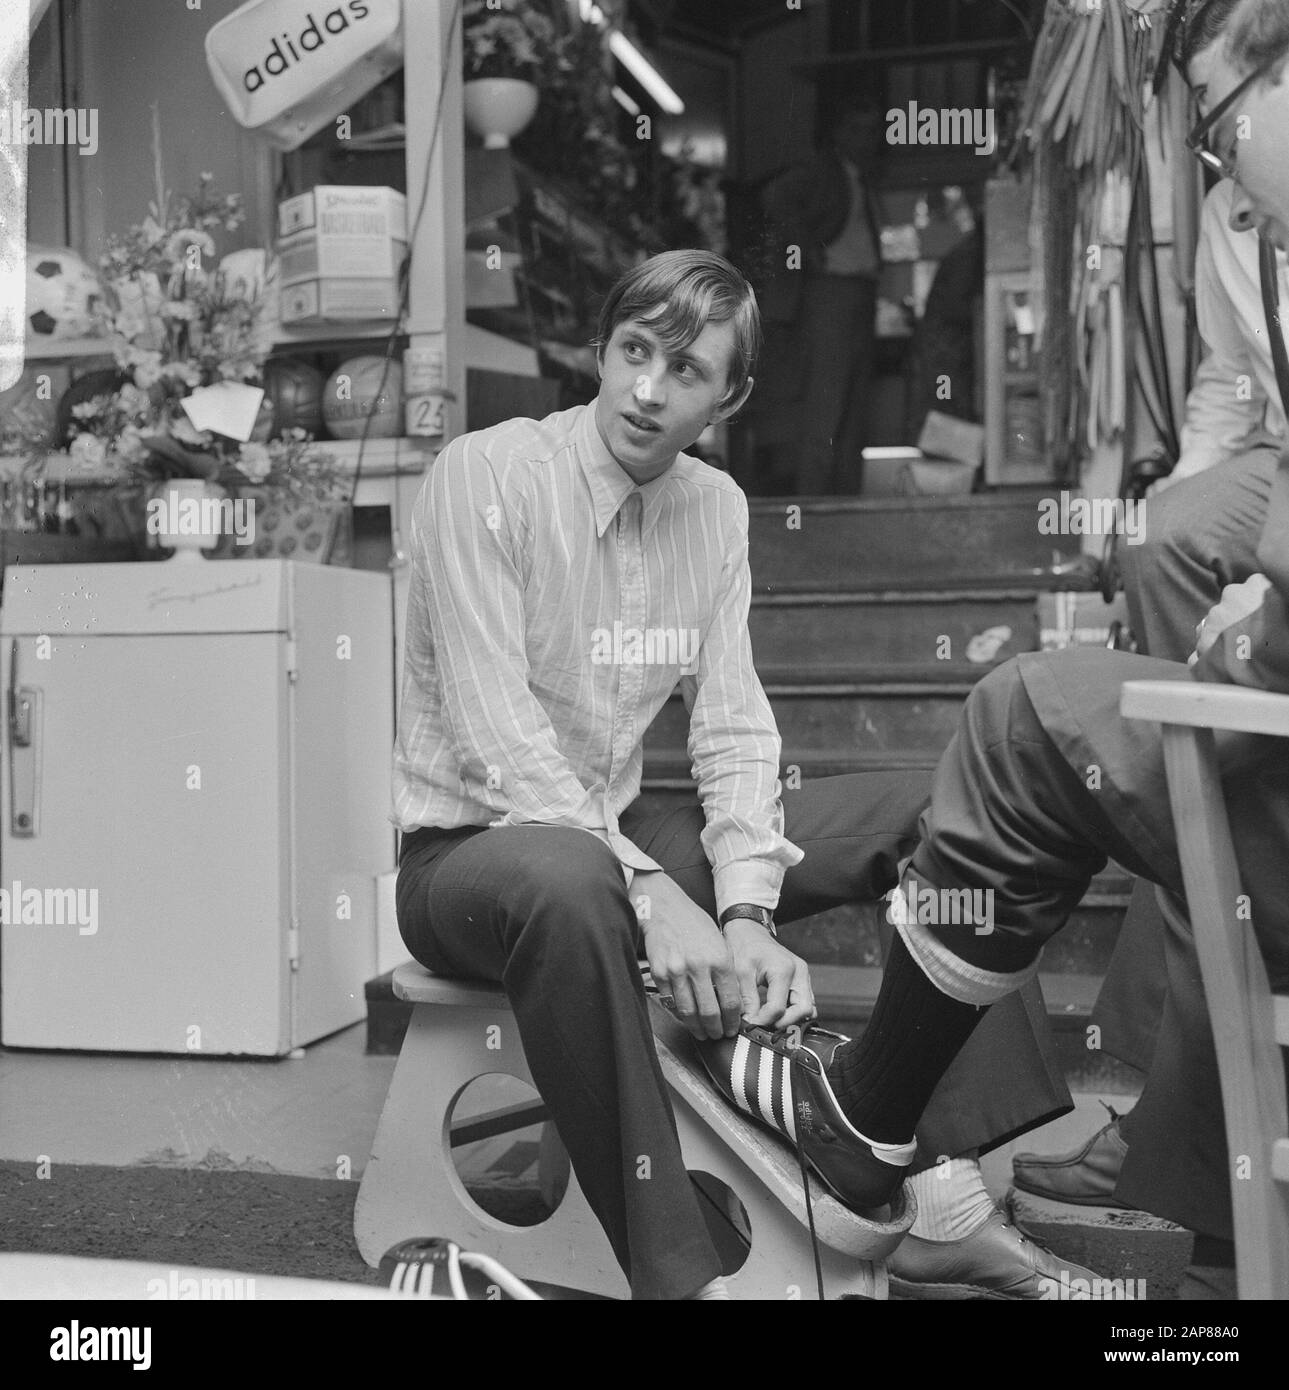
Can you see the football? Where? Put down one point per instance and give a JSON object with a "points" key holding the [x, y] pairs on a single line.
{"points": [[62, 293]]}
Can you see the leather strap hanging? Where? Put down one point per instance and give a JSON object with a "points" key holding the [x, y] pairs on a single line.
{"points": [[1270, 276]]}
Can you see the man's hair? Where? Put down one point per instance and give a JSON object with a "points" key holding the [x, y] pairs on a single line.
{"points": [[1255, 31], [1202, 22], [1259, 34], [676, 295]]}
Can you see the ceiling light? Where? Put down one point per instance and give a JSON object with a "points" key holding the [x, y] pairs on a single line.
{"points": [[645, 73], [626, 101]]}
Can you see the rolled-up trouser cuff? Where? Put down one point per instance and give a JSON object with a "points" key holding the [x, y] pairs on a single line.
{"points": [[957, 978]]}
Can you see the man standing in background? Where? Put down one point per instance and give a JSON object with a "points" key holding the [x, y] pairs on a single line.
{"points": [[827, 209]]}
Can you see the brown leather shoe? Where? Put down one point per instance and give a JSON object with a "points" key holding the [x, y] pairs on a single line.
{"points": [[995, 1262], [1086, 1177]]}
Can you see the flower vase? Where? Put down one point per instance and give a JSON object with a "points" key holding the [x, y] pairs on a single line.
{"points": [[183, 513], [499, 108]]}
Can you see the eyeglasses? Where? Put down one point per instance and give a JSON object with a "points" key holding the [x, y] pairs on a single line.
{"points": [[1197, 140]]}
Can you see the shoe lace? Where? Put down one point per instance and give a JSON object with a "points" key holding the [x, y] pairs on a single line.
{"points": [[810, 1214]]}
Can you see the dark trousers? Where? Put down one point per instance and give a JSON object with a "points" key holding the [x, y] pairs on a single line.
{"points": [[546, 911], [1042, 782], [836, 339], [1200, 535]]}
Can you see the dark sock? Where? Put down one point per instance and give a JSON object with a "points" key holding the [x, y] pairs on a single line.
{"points": [[884, 1079]]}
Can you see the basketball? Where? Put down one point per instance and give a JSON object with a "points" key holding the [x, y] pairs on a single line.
{"points": [[353, 392]]}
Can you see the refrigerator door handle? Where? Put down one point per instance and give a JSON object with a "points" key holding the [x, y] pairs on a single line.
{"points": [[25, 710]]}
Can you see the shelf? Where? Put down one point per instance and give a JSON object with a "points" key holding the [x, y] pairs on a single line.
{"points": [[65, 349], [383, 458], [328, 333], [971, 48]]}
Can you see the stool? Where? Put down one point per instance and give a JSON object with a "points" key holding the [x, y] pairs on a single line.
{"points": [[463, 1030]]}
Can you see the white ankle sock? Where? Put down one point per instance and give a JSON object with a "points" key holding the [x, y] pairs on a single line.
{"points": [[952, 1200], [716, 1289]]}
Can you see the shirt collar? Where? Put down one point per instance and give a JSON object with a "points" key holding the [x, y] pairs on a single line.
{"points": [[610, 485]]}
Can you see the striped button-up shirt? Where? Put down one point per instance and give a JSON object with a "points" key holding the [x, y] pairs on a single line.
{"points": [[554, 607]]}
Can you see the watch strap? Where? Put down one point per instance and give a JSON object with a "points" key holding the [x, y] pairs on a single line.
{"points": [[753, 912]]}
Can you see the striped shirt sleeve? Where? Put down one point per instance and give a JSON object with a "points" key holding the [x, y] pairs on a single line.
{"points": [[734, 746]]}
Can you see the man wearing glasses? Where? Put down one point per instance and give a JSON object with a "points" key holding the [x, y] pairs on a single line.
{"points": [[1201, 534], [1017, 811]]}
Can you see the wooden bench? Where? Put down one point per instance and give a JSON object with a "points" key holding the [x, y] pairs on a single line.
{"points": [[461, 1030]]}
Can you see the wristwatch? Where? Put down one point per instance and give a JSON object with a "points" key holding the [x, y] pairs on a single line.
{"points": [[754, 912]]}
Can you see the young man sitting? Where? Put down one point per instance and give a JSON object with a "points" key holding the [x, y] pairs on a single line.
{"points": [[568, 574]]}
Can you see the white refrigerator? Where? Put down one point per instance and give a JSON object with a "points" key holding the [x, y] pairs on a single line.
{"points": [[195, 795]]}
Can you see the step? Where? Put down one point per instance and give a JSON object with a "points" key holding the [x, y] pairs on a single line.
{"points": [[811, 632], [851, 543], [917, 710]]}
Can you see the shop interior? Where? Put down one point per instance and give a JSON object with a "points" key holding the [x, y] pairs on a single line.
{"points": [[230, 1015]]}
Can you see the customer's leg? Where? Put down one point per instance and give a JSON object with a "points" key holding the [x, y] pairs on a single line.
{"points": [[545, 911], [854, 831], [1024, 810], [1200, 535]]}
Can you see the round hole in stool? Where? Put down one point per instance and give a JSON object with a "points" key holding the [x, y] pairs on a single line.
{"points": [[726, 1218], [506, 1152]]}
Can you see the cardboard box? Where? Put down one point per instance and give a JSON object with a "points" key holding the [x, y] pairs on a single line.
{"points": [[947, 437], [345, 210], [308, 256], [341, 300]]}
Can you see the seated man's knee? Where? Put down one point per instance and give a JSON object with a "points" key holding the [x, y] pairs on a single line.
{"points": [[992, 698]]}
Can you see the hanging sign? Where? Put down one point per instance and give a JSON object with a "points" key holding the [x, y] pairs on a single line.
{"points": [[288, 67]]}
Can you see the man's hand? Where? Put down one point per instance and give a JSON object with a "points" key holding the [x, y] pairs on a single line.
{"points": [[688, 957], [1236, 603], [774, 984]]}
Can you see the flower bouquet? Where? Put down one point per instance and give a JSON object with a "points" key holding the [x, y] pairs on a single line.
{"points": [[178, 323]]}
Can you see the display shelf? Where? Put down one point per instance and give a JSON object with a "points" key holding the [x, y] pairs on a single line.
{"points": [[328, 334], [65, 349], [383, 458]]}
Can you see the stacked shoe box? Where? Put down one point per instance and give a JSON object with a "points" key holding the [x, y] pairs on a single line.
{"points": [[340, 248]]}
